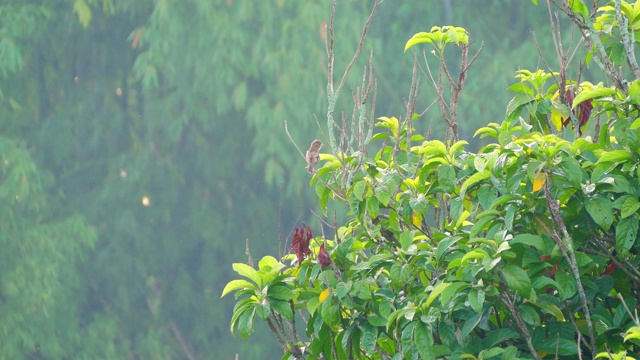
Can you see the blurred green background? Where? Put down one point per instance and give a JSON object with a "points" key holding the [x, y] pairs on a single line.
{"points": [[142, 144]]}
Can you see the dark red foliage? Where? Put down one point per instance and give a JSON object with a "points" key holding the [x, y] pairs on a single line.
{"points": [[323, 257], [300, 243], [582, 111], [612, 266]]}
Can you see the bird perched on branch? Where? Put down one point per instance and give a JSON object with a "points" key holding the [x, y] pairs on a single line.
{"points": [[313, 155]]}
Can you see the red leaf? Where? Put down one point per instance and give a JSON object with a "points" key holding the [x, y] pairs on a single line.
{"points": [[582, 111], [323, 257], [300, 243], [612, 266]]}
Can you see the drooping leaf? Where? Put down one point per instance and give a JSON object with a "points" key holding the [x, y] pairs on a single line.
{"points": [[626, 234], [236, 285], [423, 339]]}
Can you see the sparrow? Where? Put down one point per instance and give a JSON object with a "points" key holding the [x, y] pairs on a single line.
{"points": [[313, 155]]}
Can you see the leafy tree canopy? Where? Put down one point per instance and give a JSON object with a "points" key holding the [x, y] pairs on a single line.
{"points": [[526, 248]]}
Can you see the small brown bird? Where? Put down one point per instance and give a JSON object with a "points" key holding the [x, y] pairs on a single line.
{"points": [[313, 155]]}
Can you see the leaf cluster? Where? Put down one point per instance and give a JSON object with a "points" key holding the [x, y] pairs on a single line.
{"points": [[526, 248]]}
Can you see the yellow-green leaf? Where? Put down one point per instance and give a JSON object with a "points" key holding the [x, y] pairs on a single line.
{"points": [[236, 285], [81, 8]]}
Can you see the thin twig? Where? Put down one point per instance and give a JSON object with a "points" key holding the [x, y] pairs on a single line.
{"points": [[626, 41], [360, 43], [183, 344]]}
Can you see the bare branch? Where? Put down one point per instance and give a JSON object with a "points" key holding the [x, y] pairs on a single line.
{"points": [[627, 41], [360, 43]]}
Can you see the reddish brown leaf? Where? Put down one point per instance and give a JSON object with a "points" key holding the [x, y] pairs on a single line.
{"points": [[582, 112], [300, 243], [323, 257], [612, 266]]}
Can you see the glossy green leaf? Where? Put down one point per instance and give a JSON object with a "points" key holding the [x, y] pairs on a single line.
{"points": [[474, 179], [614, 156], [280, 292], [476, 299], [596, 92], [531, 240], [629, 207], [436, 292], [248, 272], [237, 285], [517, 280]]}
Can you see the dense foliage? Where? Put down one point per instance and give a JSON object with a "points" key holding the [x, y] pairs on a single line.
{"points": [[526, 248]]}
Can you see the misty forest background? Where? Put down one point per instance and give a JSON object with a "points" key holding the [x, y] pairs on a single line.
{"points": [[142, 143]]}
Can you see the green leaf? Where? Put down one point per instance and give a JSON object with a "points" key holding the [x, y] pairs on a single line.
{"points": [[559, 346], [323, 193], [596, 92], [423, 340], [369, 338], [567, 284], [626, 234], [359, 188], [245, 323], [531, 240], [447, 178], [406, 239], [445, 245], [629, 207], [577, 7], [383, 195], [617, 53], [517, 280], [248, 272], [373, 207], [343, 288], [476, 299], [81, 8], [435, 292], [283, 308], [450, 291], [236, 285], [614, 156], [330, 312], [419, 38], [550, 308], [517, 103], [474, 179], [280, 292], [601, 210], [470, 324], [634, 92]]}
